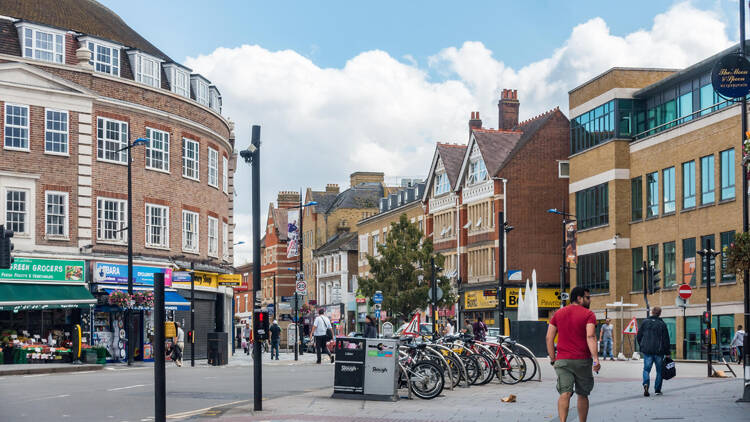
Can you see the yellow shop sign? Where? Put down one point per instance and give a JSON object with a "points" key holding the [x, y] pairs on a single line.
{"points": [[202, 279], [230, 280], [547, 297], [475, 299]]}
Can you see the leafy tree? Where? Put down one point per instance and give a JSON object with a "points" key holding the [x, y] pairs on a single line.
{"points": [[404, 257]]}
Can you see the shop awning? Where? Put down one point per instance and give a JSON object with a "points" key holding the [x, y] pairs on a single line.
{"points": [[27, 296], [172, 300]]}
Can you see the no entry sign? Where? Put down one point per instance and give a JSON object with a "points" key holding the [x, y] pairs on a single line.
{"points": [[685, 291]]}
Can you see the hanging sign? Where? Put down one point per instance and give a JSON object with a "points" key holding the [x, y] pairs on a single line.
{"points": [[632, 327], [730, 76], [571, 254]]}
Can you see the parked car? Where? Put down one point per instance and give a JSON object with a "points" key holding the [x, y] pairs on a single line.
{"points": [[425, 329]]}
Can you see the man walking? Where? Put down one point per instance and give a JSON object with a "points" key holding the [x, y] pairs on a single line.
{"points": [[275, 338], [320, 329], [575, 328], [653, 338], [468, 328], [737, 343], [605, 339], [180, 344]]}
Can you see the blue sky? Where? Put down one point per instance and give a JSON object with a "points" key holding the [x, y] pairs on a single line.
{"points": [[332, 32], [344, 86]]}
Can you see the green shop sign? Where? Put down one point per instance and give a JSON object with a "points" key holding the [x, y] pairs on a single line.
{"points": [[29, 269]]}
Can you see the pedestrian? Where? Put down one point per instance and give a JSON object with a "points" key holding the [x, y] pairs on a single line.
{"points": [[449, 330], [180, 344], [371, 328], [605, 339], [653, 338], [468, 329], [737, 342], [320, 332], [480, 330], [244, 344], [275, 338], [575, 328]]}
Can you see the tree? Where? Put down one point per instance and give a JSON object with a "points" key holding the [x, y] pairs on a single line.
{"points": [[403, 258]]}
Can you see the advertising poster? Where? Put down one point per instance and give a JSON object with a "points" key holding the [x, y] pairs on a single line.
{"points": [[292, 247], [571, 255]]}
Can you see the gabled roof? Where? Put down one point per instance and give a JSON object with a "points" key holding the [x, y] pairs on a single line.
{"points": [[451, 156], [84, 16], [344, 241], [498, 147]]}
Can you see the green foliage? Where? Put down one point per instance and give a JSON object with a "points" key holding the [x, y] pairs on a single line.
{"points": [[403, 258], [738, 253]]}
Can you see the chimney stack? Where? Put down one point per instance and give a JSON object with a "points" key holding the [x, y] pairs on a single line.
{"points": [[508, 109], [332, 188], [475, 122], [287, 199]]}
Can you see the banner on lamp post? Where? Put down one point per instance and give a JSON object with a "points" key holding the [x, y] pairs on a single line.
{"points": [[292, 246], [571, 254]]}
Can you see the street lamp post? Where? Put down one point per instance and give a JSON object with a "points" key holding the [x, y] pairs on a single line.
{"points": [[563, 266], [502, 229], [300, 274], [128, 314]]}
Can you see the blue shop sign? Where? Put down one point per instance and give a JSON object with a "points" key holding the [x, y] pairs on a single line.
{"points": [[117, 273]]}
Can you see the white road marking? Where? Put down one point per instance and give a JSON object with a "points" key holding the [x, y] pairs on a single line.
{"points": [[50, 397], [125, 388], [82, 372], [32, 376], [195, 412]]}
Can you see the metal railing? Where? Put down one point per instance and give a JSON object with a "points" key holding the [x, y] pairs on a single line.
{"points": [[684, 119]]}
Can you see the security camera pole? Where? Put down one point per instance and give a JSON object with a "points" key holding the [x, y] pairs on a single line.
{"points": [[252, 157]]}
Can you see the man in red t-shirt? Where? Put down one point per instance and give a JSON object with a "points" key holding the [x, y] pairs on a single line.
{"points": [[575, 328]]}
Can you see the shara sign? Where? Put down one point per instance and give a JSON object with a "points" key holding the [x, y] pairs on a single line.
{"points": [[730, 76]]}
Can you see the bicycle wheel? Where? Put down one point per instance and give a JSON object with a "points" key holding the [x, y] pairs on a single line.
{"points": [[531, 364], [472, 369], [512, 369], [486, 369], [427, 380], [454, 365]]}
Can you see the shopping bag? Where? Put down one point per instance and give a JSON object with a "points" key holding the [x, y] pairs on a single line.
{"points": [[668, 370]]}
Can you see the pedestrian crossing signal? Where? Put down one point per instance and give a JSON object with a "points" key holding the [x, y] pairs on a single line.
{"points": [[260, 324]]}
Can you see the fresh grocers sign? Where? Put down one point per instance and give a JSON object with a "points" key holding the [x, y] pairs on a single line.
{"points": [[44, 270]]}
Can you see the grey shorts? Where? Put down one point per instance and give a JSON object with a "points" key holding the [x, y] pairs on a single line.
{"points": [[576, 373]]}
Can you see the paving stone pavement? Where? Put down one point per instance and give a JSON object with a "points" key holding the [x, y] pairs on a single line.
{"points": [[618, 395]]}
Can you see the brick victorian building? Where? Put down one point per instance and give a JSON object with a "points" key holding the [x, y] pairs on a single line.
{"points": [[77, 85], [520, 169]]}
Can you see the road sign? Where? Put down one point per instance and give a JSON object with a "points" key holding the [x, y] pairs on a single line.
{"points": [[377, 313], [378, 297], [680, 302], [301, 287], [287, 298], [377, 306], [271, 309], [564, 296], [387, 329], [439, 294], [632, 327], [685, 291]]}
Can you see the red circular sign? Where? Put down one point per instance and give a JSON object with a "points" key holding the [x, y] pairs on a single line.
{"points": [[685, 291]]}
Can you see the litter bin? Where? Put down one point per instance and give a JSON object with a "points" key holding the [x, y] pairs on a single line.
{"points": [[217, 348], [366, 369]]}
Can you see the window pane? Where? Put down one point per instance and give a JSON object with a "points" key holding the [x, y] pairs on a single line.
{"points": [[707, 180], [636, 198], [726, 239], [727, 174], [688, 184], [669, 190], [15, 210], [688, 262], [652, 196], [670, 270], [637, 259]]}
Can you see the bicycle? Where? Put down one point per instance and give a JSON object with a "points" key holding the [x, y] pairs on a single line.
{"points": [[421, 376]]}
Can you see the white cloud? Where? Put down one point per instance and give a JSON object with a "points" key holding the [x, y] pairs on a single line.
{"points": [[381, 114]]}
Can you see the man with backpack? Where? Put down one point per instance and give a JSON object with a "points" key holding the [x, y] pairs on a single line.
{"points": [[480, 330], [653, 338]]}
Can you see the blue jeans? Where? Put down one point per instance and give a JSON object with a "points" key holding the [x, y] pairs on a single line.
{"points": [[648, 362], [607, 348], [275, 346]]}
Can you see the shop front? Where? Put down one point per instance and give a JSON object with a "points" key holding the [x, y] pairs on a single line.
{"points": [[110, 326], [337, 314], [44, 304], [483, 303]]}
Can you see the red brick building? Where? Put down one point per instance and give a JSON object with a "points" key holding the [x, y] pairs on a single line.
{"points": [[520, 169], [78, 86], [277, 271]]}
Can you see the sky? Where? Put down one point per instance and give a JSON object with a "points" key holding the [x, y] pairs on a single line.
{"points": [[344, 86]]}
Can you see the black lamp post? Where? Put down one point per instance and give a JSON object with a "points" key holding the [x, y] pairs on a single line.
{"points": [[502, 228], [563, 266], [128, 315]]}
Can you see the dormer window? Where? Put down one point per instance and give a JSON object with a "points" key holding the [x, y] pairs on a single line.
{"points": [[179, 79], [200, 89], [214, 99], [105, 57], [42, 43], [146, 68], [441, 183], [477, 172]]}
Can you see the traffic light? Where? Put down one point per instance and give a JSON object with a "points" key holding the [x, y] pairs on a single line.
{"points": [[260, 324], [706, 337], [654, 281], [706, 317], [6, 247]]}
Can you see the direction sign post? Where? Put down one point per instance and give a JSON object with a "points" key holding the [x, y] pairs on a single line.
{"points": [[377, 297]]}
